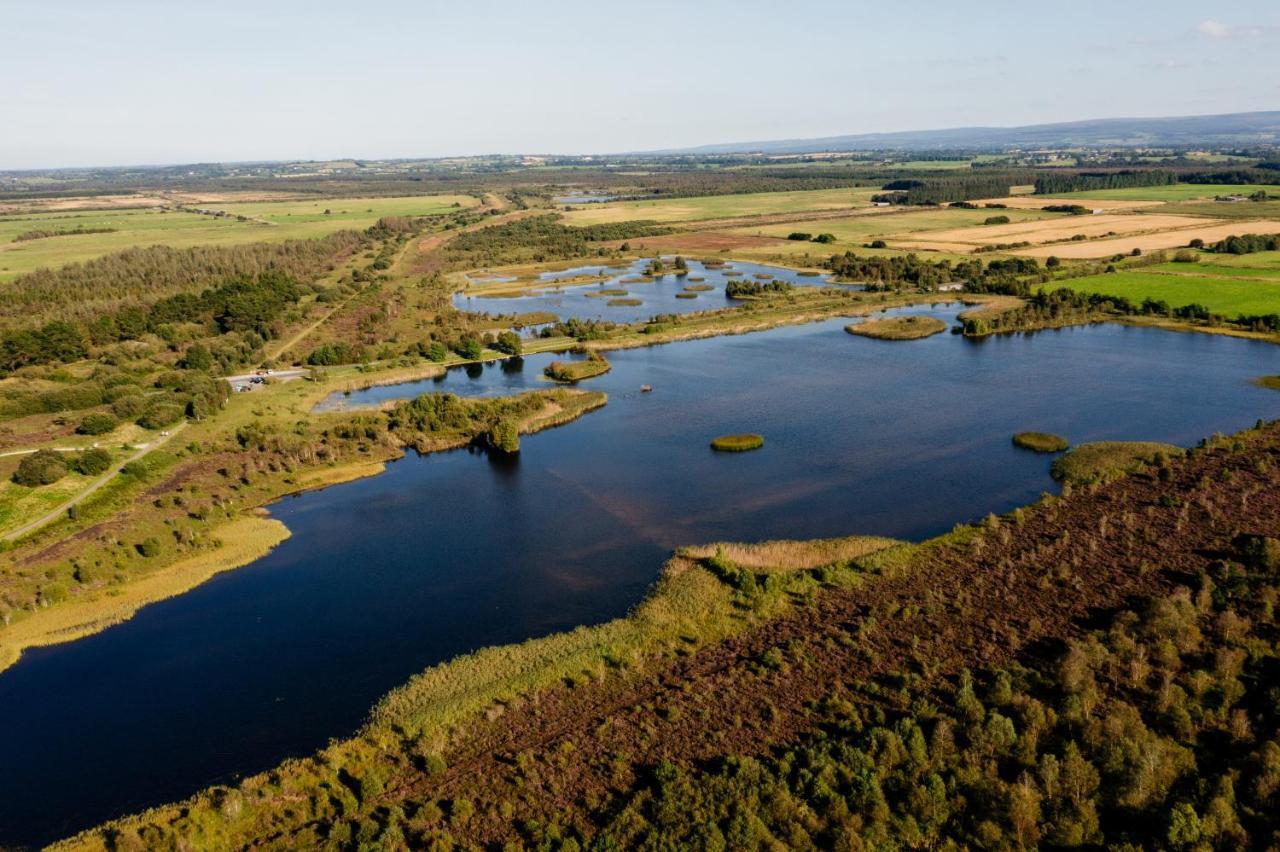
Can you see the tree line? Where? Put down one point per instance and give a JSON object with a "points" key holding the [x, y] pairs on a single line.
{"points": [[929, 191], [540, 238], [1053, 184]]}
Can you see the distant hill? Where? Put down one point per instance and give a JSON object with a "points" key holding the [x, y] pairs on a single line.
{"points": [[1242, 128]]}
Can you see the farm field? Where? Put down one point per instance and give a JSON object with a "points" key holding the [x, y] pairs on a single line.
{"points": [[860, 228], [721, 206], [282, 220], [1171, 192], [1169, 239], [1227, 296], [1037, 202], [1064, 227]]}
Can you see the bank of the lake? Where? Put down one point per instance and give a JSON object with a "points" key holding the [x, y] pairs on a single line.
{"points": [[451, 552]]}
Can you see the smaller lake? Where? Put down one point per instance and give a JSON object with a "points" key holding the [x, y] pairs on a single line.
{"points": [[663, 294]]}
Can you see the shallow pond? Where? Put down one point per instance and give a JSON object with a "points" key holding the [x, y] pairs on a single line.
{"points": [[443, 554], [664, 294]]}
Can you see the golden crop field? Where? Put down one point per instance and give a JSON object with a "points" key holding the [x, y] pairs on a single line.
{"points": [[1168, 239]]}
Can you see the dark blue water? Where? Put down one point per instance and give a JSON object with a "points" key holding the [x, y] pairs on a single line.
{"points": [[443, 554], [657, 295]]}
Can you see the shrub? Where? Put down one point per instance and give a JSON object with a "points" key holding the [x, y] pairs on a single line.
{"points": [[129, 407], [800, 236], [504, 436], [470, 348], [437, 351], [92, 462], [508, 342], [825, 238], [97, 423], [198, 357], [160, 415], [42, 467], [148, 547], [996, 220]]}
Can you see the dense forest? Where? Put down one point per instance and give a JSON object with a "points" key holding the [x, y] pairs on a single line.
{"points": [[894, 272], [139, 276], [1053, 184], [540, 238], [942, 190]]}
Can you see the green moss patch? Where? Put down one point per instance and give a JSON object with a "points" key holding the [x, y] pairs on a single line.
{"points": [[1041, 442], [738, 443]]}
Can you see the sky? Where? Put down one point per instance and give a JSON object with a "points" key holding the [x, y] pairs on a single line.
{"points": [[127, 82]]}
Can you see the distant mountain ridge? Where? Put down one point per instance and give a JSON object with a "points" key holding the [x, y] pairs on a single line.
{"points": [[1240, 128]]}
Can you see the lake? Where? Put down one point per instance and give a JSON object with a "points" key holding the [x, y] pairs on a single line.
{"points": [[657, 295], [450, 552]]}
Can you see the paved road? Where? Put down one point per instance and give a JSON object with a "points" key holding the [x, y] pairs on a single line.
{"points": [[60, 511], [246, 380]]}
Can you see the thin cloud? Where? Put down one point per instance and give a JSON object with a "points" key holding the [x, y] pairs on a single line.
{"points": [[1217, 30]]}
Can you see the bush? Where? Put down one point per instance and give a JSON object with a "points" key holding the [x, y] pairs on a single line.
{"points": [[996, 220], [470, 348], [198, 357], [129, 407], [800, 236], [160, 415], [437, 351], [42, 467], [508, 342], [92, 462], [148, 547], [97, 424], [825, 238], [1052, 262]]}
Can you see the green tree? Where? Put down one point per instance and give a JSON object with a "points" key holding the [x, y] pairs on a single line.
{"points": [[509, 342]]}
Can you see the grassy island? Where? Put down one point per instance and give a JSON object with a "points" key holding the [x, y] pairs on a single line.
{"points": [[1103, 461], [898, 328], [1041, 442], [569, 372], [624, 303], [1272, 382], [698, 288], [738, 443], [596, 294]]}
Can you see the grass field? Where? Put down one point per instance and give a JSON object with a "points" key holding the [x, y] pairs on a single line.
{"points": [[1225, 296], [281, 220], [1172, 192], [721, 206]]}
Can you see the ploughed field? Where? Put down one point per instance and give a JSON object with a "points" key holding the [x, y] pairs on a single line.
{"points": [[456, 551]]}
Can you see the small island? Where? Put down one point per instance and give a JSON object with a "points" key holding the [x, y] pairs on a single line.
{"points": [[1103, 461], [572, 372], [898, 328], [738, 443], [1040, 442], [621, 303], [1272, 382]]}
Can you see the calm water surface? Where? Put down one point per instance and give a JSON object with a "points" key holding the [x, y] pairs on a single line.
{"points": [[657, 295], [450, 552]]}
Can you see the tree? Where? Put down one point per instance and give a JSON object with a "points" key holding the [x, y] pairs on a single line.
{"points": [[509, 343], [197, 358], [504, 436], [1052, 262], [42, 467], [470, 348]]}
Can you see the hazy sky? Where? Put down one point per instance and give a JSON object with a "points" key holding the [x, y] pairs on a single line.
{"points": [[86, 82]]}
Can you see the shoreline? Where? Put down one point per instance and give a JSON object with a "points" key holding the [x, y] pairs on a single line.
{"points": [[244, 540]]}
